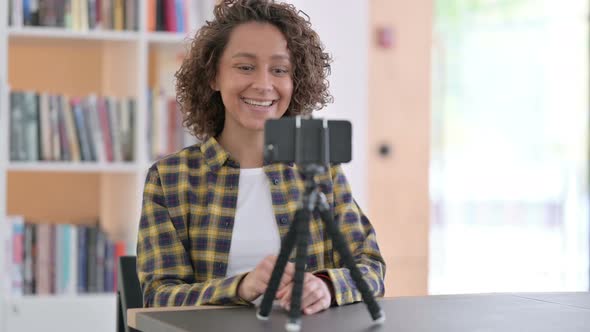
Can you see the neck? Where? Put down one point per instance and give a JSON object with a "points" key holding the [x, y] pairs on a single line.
{"points": [[246, 147]]}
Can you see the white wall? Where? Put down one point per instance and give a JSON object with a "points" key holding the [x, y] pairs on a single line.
{"points": [[343, 28]]}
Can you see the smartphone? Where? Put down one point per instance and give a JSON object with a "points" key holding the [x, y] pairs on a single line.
{"points": [[307, 141]]}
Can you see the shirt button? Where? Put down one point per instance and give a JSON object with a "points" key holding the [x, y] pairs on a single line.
{"points": [[283, 221], [226, 223], [275, 181]]}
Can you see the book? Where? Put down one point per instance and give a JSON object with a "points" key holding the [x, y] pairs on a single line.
{"points": [[84, 19], [71, 279], [56, 127], [15, 255], [55, 143], [92, 259], [31, 125], [95, 129], [120, 250], [82, 260], [119, 15], [47, 13], [100, 249], [113, 109], [71, 131], [91, 14], [63, 141], [151, 15], [81, 130], [131, 15], [160, 15], [45, 127], [180, 12], [18, 150], [16, 9], [58, 258], [30, 260], [43, 274], [105, 127]]}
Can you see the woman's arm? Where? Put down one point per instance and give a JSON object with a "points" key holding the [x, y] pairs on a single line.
{"points": [[362, 242], [164, 266]]}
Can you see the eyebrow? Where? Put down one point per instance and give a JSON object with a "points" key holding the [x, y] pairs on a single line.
{"points": [[253, 56]]}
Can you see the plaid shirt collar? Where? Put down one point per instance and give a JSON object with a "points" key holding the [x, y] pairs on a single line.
{"points": [[216, 156]]}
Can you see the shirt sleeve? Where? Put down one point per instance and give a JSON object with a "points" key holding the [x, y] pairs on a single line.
{"points": [[360, 235], [164, 267]]}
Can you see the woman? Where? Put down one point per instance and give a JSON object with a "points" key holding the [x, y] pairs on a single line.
{"points": [[213, 214]]}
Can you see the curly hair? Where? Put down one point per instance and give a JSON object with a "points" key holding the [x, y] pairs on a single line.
{"points": [[202, 107]]}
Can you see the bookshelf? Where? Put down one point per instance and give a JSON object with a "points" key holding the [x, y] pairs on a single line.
{"points": [[165, 38], [36, 33], [3, 158], [90, 313], [73, 167], [78, 63]]}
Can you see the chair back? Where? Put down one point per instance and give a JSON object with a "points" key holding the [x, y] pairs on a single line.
{"points": [[129, 291]]}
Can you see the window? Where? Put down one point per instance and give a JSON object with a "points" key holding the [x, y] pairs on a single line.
{"points": [[509, 159]]}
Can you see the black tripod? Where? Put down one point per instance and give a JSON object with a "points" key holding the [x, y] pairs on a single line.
{"points": [[298, 232]]}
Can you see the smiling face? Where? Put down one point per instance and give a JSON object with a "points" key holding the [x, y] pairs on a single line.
{"points": [[254, 77]]}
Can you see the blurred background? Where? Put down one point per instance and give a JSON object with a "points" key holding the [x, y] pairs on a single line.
{"points": [[470, 141], [509, 146]]}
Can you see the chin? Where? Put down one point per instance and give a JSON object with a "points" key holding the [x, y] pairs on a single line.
{"points": [[258, 126]]}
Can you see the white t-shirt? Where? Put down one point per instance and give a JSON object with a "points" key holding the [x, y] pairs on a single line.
{"points": [[255, 234]]}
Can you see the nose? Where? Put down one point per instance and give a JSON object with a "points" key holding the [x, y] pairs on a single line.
{"points": [[262, 81]]}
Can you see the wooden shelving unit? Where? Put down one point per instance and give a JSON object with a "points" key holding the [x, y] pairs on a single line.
{"points": [[76, 63]]}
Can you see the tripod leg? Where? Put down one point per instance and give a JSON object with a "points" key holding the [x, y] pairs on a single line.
{"points": [[294, 322], [277, 273], [342, 248]]}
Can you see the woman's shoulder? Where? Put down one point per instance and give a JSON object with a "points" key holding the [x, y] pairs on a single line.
{"points": [[191, 157]]}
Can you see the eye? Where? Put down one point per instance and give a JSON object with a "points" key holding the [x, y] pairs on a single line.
{"points": [[245, 68], [280, 71]]}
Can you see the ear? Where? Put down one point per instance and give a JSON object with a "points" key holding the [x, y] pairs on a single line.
{"points": [[213, 85]]}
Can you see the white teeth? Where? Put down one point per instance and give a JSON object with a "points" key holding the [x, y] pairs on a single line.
{"points": [[257, 103]]}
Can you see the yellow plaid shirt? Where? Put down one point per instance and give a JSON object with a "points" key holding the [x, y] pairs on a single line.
{"points": [[185, 231]]}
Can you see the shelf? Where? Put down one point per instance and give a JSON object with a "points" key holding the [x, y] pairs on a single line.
{"points": [[62, 298], [77, 167], [35, 33], [160, 37], [64, 34], [84, 312]]}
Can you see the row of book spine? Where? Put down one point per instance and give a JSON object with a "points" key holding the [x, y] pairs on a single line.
{"points": [[165, 130], [78, 15], [47, 127], [177, 15], [56, 259]]}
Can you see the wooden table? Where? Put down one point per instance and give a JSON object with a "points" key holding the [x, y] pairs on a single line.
{"points": [[510, 312]]}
